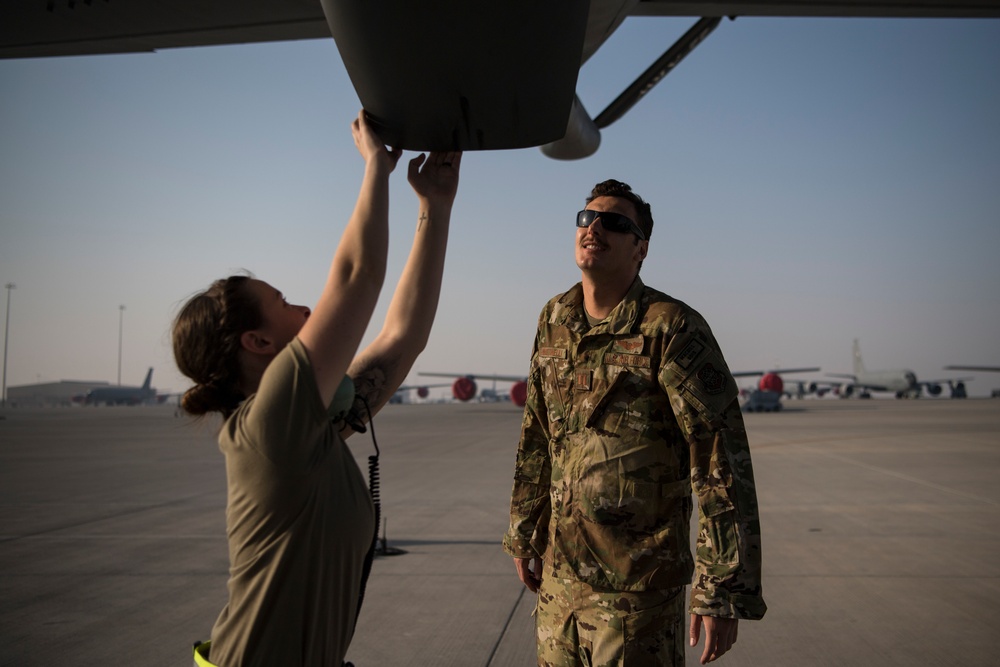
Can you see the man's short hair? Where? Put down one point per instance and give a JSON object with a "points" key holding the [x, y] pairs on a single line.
{"points": [[613, 188]]}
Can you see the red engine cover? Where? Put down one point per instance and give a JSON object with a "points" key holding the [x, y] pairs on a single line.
{"points": [[463, 389], [422, 392], [771, 382], [519, 393]]}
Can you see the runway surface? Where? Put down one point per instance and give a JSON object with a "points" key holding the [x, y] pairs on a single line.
{"points": [[880, 519]]}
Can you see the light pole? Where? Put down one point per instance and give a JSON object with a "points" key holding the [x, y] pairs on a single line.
{"points": [[6, 335], [121, 316]]}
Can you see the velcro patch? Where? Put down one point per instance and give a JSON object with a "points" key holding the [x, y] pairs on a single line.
{"points": [[714, 381], [690, 352], [613, 359], [583, 379], [631, 345], [552, 352]]}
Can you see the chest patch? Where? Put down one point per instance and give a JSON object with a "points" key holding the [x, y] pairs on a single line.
{"points": [[635, 360], [552, 352], [583, 380], [631, 345]]}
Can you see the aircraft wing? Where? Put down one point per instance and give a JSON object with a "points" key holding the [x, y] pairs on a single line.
{"points": [[776, 371], [987, 369], [857, 384], [832, 8], [411, 387], [441, 86], [75, 27], [472, 376]]}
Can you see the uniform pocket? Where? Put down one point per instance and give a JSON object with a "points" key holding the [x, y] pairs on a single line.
{"points": [[654, 637], [529, 466], [718, 542]]}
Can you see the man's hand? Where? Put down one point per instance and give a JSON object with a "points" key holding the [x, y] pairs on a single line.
{"points": [[529, 576], [720, 635]]}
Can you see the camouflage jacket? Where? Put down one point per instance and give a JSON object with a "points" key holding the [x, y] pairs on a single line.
{"points": [[622, 422]]}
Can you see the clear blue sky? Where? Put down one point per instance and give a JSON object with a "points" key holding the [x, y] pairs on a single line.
{"points": [[812, 181]]}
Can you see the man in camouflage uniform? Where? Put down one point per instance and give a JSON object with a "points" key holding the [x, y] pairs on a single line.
{"points": [[630, 409]]}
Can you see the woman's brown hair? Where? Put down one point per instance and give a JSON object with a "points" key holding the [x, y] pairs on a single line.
{"points": [[206, 340]]}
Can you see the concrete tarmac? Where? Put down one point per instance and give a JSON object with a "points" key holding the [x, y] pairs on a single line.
{"points": [[880, 519]]}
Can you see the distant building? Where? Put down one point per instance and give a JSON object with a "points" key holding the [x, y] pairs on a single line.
{"points": [[47, 394]]}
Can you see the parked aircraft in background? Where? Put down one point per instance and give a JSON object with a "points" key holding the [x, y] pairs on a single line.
{"points": [[766, 397], [988, 369], [402, 394], [903, 382], [440, 84], [801, 389], [123, 395], [464, 388]]}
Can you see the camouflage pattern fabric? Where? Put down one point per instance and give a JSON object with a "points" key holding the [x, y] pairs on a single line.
{"points": [[579, 626], [623, 421]]}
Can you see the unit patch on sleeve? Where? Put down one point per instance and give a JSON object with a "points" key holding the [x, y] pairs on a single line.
{"points": [[690, 352], [714, 381]]}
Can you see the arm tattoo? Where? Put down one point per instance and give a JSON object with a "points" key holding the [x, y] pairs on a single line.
{"points": [[423, 219], [369, 377]]}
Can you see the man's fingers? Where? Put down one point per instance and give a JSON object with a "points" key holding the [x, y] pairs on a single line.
{"points": [[695, 631], [525, 574], [720, 635]]}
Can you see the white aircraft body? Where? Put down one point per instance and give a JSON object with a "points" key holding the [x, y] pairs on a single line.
{"points": [[440, 84], [902, 382]]}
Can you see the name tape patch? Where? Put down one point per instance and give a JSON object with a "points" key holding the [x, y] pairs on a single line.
{"points": [[614, 359]]}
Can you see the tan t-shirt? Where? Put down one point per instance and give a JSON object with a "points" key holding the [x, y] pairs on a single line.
{"points": [[300, 521]]}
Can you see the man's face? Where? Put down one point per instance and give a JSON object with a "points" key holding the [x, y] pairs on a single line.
{"points": [[605, 253]]}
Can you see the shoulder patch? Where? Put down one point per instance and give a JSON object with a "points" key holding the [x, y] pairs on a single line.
{"points": [[714, 381], [690, 352]]}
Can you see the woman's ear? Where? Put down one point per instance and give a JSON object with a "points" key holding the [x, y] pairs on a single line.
{"points": [[255, 343]]}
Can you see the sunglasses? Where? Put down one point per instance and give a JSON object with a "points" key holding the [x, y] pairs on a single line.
{"points": [[613, 222]]}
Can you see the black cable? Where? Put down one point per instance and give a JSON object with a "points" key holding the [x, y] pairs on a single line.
{"points": [[374, 475], [373, 489], [373, 484]]}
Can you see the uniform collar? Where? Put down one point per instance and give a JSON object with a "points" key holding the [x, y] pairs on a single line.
{"points": [[569, 312]]}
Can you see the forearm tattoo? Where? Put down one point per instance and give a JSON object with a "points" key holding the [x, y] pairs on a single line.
{"points": [[423, 219]]}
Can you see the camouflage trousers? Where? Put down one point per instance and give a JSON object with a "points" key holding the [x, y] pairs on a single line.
{"points": [[579, 626]]}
